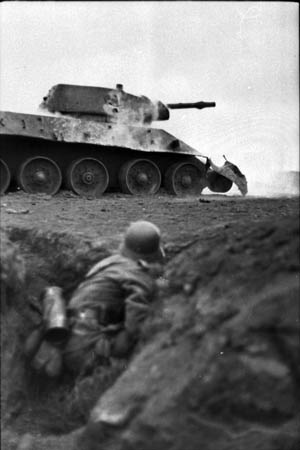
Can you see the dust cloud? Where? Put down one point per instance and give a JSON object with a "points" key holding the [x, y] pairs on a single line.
{"points": [[277, 184]]}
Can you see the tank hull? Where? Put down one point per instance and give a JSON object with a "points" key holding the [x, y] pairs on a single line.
{"points": [[83, 131], [64, 141]]}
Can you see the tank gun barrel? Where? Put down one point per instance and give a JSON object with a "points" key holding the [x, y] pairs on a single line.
{"points": [[197, 105]]}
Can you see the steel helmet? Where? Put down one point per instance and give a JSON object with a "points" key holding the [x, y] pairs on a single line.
{"points": [[142, 241]]}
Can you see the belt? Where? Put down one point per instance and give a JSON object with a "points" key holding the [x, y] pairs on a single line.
{"points": [[84, 321]]}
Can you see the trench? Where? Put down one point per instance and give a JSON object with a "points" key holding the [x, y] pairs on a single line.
{"points": [[31, 260], [31, 402], [255, 324]]}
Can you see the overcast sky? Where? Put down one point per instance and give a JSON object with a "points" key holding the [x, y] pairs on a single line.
{"points": [[242, 55]]}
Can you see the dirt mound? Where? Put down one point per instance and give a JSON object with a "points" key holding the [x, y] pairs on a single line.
{"points": [[220, 367], [217, 365]]}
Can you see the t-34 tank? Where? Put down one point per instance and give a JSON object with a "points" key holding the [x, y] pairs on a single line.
{"points": [[94, 139]]}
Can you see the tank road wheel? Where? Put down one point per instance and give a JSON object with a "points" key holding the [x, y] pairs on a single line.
{"points": [[4, 177], [140, 176], [184, 179], [40, 175], [88, 177]]}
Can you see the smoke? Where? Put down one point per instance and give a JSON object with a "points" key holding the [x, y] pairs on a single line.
{"points": [[272, 183], [277, 184], [41, 111], [266, 182]]}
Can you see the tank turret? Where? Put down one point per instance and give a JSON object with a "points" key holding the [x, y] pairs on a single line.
{"points": [[103, 104], [110, 105]]}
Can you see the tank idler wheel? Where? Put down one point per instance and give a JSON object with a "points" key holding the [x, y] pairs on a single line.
{"points": [[217, 182], [88, 177], [184, 179], [140, 177], [40, 175], [4, 177]]}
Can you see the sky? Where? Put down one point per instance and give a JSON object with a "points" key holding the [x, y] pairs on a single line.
{"points": [[242, 55]]}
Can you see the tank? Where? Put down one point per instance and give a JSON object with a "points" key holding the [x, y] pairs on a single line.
{"points": [[94, 140]]}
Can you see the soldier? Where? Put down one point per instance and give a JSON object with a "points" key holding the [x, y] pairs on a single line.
{"points": [[107, 310]]}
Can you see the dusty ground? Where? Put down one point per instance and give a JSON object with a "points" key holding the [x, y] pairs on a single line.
{"points": [[216, 246], [106, 218]]}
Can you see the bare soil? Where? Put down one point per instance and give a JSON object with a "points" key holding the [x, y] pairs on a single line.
{"points": [[105, 219]]}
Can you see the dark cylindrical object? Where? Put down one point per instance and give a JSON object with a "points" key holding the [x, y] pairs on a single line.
{"points": [[217, 182], [55, 317], [197, 105]]}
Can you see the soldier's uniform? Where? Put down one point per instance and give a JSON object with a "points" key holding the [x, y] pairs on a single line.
{"points": [[106, 311]]}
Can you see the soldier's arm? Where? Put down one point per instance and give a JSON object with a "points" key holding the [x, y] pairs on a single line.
{"points": [[139, 296]]}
